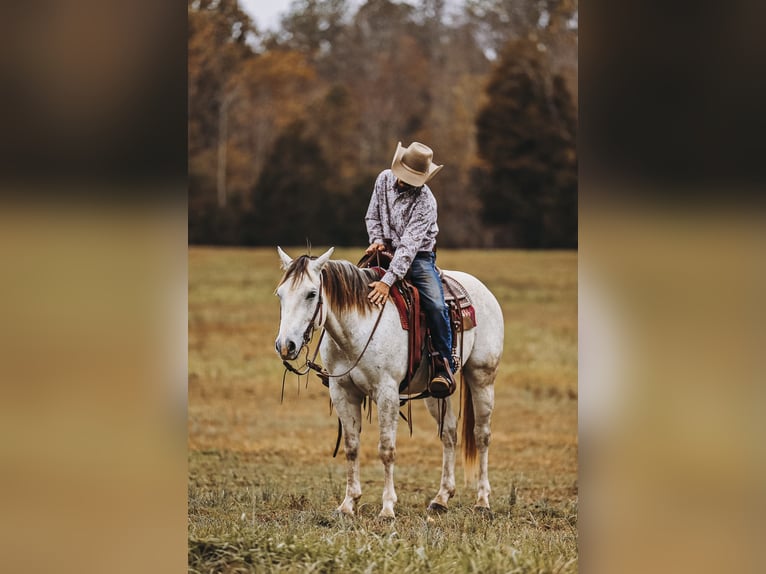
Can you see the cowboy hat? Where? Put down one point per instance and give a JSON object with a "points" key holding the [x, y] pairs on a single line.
{"points": [[414, 164]]}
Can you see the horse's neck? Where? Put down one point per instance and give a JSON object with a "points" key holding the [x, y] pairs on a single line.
{"points": [[350, 330]]}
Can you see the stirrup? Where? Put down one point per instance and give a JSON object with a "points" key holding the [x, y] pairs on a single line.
{"points": [[442, 385]]}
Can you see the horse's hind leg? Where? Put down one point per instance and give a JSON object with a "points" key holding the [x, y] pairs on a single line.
{"points": [[449, 440], [349, 409], [483, 393]]}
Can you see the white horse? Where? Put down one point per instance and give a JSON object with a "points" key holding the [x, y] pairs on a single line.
{"points": [[316, 292]]}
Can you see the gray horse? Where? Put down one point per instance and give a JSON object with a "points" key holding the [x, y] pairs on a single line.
{"points": [[320, 293]]}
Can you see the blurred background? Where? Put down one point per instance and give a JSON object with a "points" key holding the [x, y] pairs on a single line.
{"points": [[297, 111], [671, 177]]}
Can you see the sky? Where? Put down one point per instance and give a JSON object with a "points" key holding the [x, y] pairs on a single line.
{"points": [[265, 13]]}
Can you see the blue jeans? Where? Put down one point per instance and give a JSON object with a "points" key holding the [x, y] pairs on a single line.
{"points": [[423, 275]]}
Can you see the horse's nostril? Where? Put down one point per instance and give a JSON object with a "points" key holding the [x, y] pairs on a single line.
{"points": [[277, 346], [290, 347]]}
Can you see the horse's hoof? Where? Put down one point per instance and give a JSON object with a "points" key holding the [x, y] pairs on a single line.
{"points": [[342, 514], [484, 511], [437, 508]]}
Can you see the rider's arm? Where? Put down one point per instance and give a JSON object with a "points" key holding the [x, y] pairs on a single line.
{"points": [[422, 219]]}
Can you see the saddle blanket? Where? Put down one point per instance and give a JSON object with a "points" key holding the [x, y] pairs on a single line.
{"points": [[458, 301]]}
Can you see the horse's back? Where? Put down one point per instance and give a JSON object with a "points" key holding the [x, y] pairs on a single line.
{"points": [[487, 344]]}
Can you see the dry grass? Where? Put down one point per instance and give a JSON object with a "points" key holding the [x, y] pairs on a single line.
{"points": [[262, 481]]}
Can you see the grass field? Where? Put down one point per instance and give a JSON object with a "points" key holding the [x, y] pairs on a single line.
{"points": [[262, 480]]}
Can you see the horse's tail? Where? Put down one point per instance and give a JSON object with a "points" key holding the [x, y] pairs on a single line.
{"points": [[469, 439]]}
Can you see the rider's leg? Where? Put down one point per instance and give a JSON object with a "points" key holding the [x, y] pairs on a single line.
{"points": [[424, 276]]}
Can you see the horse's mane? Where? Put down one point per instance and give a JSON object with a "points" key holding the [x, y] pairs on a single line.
{"points": [[345, 284]]}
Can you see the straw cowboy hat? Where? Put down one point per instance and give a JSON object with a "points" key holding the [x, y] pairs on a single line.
{"points": [[414, 164]]}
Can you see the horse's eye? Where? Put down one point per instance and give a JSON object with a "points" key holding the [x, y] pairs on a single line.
{"points": [[311, 295]]}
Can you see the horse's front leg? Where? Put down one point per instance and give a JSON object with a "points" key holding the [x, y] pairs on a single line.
{"points": [[348, 405], [388, 417]]}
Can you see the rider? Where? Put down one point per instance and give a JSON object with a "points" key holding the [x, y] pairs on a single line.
{"points": [[402, 217]]}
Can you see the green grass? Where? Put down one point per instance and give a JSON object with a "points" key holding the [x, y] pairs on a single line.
{"points": [[263, 485]]}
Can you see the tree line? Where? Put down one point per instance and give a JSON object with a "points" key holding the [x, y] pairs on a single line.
{"points": [[288, 128]]}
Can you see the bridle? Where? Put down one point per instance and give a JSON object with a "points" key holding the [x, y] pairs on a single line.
{"points": [[317, 312], [309, 333]]}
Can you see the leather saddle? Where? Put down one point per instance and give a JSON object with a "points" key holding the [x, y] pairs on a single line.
{"points": [[406, 298]]}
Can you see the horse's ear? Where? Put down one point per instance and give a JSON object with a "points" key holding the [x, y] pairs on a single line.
{"points": [[286, 259], [322, 259]]}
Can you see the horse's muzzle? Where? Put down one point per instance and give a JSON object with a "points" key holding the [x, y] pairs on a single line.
{"points": [[287, 351]]}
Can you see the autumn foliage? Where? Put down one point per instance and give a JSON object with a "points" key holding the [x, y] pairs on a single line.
{"points": [[289, 127]]}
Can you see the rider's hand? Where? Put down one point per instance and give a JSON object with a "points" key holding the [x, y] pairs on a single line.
{"points": [[379, 293], [374, 247]]}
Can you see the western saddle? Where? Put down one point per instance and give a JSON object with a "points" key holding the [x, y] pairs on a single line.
{"points": [[406, 298]]}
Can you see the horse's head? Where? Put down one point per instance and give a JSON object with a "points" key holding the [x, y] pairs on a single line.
{"points": [[300, 301]]}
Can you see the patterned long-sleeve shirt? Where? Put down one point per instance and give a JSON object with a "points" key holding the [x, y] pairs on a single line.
{"points": [[405, 220]]}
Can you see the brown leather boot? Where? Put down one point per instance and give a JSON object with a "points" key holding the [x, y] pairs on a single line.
{"points": [[442, 384]]}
